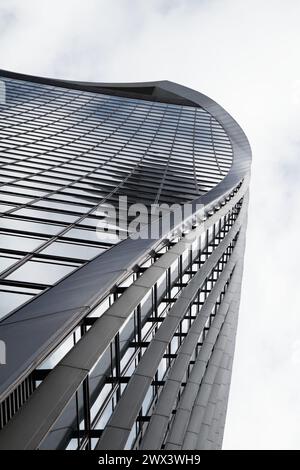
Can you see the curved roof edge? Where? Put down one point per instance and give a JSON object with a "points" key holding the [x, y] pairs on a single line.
{"points": [[149, 91], [165, 91]]}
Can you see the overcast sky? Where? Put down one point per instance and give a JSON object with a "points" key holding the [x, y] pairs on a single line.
{"points": [[245, 55]]}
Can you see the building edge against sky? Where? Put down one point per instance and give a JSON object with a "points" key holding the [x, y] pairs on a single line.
{"points": [[117, 344]]}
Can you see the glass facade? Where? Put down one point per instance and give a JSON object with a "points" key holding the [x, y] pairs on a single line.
{"points": [[65, 152], [107, 380]]}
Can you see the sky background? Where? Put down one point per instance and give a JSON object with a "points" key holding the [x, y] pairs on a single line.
{"points": [[245, 55]]}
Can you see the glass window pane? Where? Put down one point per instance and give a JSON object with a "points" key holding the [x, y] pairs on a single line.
{"points": [[71, 250], [92, 235], [41, 273], [10, 300], [16, 199], [18, 190], [5, 208], [47, 215], [25, 226], [61, 206], [13, 242], [6, 262]]}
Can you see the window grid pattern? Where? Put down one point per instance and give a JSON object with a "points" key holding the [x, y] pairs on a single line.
{"points": [[160, 305], [94, 405], [140, 426], [64, 152]]}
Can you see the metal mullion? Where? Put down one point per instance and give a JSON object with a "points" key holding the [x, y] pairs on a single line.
{"points": [[193, 152], [32, 285], [155, 302], [169, 152], [117, 364], [139, 331], [86, 443]]}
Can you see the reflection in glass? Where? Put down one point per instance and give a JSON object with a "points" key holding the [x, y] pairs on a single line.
{"points": [[25, 226], [19, 243], [6, 262], [72, 250], [41, 273], [10, 300]]}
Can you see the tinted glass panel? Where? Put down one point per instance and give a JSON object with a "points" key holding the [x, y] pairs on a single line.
{"points": [[47, 215], [25, 226], [40, 273], [10, 300], [6, 263], [92, 235], [13, 242], [71, 250]]}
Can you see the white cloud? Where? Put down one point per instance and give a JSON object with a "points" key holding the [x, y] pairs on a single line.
{"points": [[245, 55]]}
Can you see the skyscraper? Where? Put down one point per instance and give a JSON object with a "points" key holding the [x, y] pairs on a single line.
{"points": [[119, 330]]}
